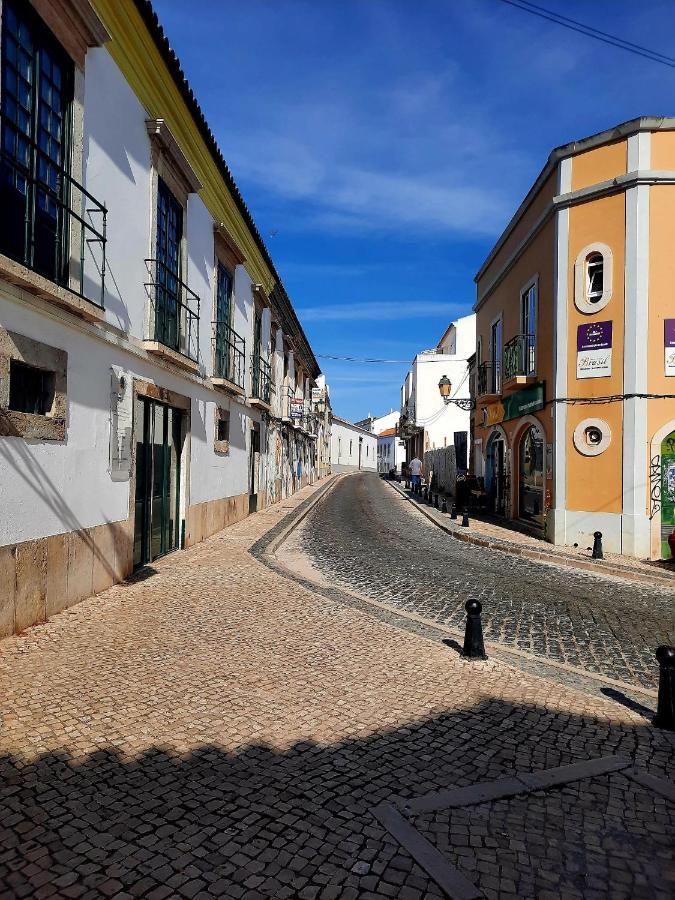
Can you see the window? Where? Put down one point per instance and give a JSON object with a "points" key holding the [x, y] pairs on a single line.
{"points": [[223, 294], [37, 89], [350, 448], [221, 443], [528, 328], [33, 383], [594, 277], [31, 390], [169, 264], [495, 356]]}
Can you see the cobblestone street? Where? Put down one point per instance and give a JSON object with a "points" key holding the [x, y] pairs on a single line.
{"points": [[367, 537], [213, 729]]}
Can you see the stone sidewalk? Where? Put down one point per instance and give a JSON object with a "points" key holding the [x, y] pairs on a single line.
{"points": [[213, 729]]}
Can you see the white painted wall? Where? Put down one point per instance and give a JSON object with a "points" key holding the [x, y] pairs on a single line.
{"points": [[344, 444]]}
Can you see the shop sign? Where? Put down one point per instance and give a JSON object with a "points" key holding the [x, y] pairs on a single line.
{"points": [[297, 407], [317, 394], [594, 350], [523, 402], [669, 341]]}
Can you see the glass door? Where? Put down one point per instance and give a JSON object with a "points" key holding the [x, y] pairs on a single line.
{"points": [[528, 327], [157, 506], [496, 356], [531, 477]]}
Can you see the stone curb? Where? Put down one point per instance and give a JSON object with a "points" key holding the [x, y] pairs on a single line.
{"points": [[598, 567]]}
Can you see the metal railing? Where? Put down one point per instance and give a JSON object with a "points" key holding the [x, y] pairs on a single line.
{"points": [[229, 354], [519, 356], [57, 215], [261, 379], [489, 379], [173, 321]]}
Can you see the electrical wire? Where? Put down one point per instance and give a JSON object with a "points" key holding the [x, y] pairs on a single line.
{"points": [[588, 31], [397, 362]]}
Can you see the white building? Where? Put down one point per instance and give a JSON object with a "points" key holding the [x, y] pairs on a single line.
{"points": [[427, 423], [155, 382], [353, 449], [390, 447]]}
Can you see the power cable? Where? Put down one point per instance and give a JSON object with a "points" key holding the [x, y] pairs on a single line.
{"points": [[589, 31], [397, 362]]}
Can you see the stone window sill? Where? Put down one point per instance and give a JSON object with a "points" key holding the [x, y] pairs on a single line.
{"points": [[32, 283], [164, 352]]}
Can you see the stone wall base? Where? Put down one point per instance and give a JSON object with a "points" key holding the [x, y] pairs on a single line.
{"points": [[205, 519], [42, 577]]}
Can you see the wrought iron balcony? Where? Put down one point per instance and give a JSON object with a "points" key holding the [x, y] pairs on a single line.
{"points": [[261, 379], [489, 379], [229, 354], [174, 311], [50, 223], [519, 356]]}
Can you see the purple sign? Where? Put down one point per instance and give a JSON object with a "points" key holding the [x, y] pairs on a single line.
{"points": [[669, 328], [669, 344], [596, 336]]}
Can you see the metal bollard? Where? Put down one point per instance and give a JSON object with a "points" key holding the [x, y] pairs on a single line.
{"points": [[436, 506], [665, 709], [597, 545], [444, 507], [473, 634], [465, 518], [430, 497], [453, 510]]}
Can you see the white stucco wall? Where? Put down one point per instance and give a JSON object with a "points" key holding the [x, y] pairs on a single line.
{"points": [[341, 458]]}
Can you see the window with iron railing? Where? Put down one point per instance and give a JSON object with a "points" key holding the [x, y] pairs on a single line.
{"points": [[229, 354], [49, 222], [174, 308], [488, 379], [520, 356], [260, 379]]}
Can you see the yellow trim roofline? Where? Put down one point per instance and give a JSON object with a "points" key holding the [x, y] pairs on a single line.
{"points": [[135, 52]]}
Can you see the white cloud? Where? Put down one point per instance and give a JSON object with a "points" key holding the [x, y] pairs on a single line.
{"points": [[380, 310]]}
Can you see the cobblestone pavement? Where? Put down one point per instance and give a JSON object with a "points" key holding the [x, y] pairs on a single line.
{"points": [[213, 729], [367, 537]]}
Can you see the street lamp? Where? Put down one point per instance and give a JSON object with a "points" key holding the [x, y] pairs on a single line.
{"points": [[445, 389]]}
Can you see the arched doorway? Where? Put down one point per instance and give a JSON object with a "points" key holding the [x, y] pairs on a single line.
{"points": [[496, 477], [531, 476], [667, 492]]}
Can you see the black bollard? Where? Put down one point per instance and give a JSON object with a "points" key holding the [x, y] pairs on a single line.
{"points": [[597, 545], [465, 518], [425, 493], [444, 507], [453, 510], [473, 634], [665, 709], [436, 506]]}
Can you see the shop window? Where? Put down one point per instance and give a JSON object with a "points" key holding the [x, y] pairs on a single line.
{"points": [[593, 278]]}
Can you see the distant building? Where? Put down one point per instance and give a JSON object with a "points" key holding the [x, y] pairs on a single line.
{"points": [[426, 422], [353, 449], [575, 357]]}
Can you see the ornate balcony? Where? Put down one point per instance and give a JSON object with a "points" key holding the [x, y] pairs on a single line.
{"points": [[174, 316], [261, 382], [489, 379], [520, 358], [229, 369]]}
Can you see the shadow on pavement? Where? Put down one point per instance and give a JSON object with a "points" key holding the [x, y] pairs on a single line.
{"points": [[293, 823]]}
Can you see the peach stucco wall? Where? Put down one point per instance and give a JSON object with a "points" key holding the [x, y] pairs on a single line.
{"points": [[661, 298], [599, 164], [599, 220], [663, 150]]}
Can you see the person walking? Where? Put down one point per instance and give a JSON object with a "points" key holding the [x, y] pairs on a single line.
{"points": [[415, 467]]}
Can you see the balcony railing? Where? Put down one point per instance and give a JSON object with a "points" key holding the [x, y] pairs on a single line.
{"points": [[489, 379], [174, 310], [261, 379], [50, 223], [229, 354], [519, 356]]}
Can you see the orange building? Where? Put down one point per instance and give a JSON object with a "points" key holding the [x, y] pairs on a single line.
{"points": [[575, 362]]}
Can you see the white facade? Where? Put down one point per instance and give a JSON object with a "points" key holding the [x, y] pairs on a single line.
{"points": [[71, 473], [427, 422], [353, 449]]}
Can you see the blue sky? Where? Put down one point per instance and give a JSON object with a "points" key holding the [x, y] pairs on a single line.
{"points": [[382, 145]]}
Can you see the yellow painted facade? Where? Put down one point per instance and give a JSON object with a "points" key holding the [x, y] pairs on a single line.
{"points": [[611, 476]]}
